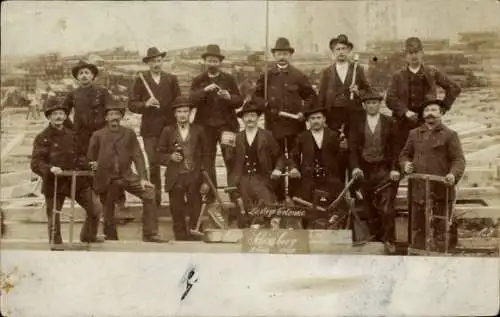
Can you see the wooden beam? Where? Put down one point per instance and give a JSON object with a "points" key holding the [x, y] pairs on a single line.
{"points": [[11, 145]]}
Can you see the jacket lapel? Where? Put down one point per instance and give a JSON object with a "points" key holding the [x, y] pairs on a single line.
{"points": [[350, 73], [259, 138]]}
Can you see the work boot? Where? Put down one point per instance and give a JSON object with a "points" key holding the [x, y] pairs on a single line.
{"points": [[154, 238]]}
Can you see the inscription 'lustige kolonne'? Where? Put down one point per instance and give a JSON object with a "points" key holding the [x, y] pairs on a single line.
{"points": [[278, 211]]}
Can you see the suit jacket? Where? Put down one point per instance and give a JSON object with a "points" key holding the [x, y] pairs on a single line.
{"points": [[303, 153], [53, 147], [356, 141], [398, 92], [166, 146], [268, 152], [154, 119], [204, 100], [106, 146]]}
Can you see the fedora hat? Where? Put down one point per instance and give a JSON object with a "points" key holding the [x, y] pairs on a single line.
{"points": [[413, 45], [371, 95], [182, 101], [430, 102], [153, 52], [83, 64], [53, 103], [213, 50], [314, 110], [253, 105], [341, 39], [282, 44], [114, 104]]}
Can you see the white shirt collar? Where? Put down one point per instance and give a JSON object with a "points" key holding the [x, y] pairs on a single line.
{"points": [[213, 75], [318, 137], [251, 134], [414, 70], [156, 77], [282, 66], [183, 131], [372, 121], [342, 70]]}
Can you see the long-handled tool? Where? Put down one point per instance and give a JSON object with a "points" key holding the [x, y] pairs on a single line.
{"points": [[196, 231], [340, 197], [355, 59], [215, 216]]}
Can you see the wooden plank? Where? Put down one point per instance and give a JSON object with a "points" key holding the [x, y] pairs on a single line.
{"points": [[18, 190], [14, 178], [7, 149]]}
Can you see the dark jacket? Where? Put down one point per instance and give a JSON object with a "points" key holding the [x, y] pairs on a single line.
{"points": [[166, 146], [356, 141], [436, 152], [89, 115], [122, 145], [303, 154], [288, 90], [207, 102], [53, 147], [398, 93], [154, 119], [268, 152]]}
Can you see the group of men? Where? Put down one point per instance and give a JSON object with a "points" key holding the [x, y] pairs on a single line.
{"points": [[347, 137]]}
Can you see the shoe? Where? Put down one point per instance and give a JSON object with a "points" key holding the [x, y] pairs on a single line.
{"points": [[93, 240], [389, 247], [154, 238]]}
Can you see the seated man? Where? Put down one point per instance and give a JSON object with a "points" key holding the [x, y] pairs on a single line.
{"points": [[433, 149], [55, 150], [112, 150]]}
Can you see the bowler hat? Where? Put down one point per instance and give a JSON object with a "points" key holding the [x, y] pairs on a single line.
{"points": [[413, 45], [83, 64], [314, 110], [213, 50], [253, 105], [282, 44], [426, 103], [340, 39], [153, 52], [182, 101], [371, 95], [114, 104], [53, 103]]}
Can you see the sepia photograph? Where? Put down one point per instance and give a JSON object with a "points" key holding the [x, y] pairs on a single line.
{"points": [[367, 128]]}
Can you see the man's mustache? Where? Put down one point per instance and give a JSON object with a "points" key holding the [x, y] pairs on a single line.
{"points": [[430, 116]]}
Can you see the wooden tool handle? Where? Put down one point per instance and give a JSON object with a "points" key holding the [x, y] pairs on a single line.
{"points": [[306, 203], [288, 115], [150, 92], [341, 195]]}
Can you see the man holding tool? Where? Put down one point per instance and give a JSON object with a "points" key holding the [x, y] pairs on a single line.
{"points": [[151, 95], [111, 151], [54, 151], [215, 95], [373, 158], [288, 93], [182, 148], [433, 149]]}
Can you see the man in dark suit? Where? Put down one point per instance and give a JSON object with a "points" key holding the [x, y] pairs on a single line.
{"points": [[55, 150], [256, 159], [111, 151], [288, 91], [182, 148], [373, 158], [315, 159], [155, 108], [215, 95]]}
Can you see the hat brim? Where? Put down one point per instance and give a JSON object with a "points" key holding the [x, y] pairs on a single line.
{"points": [[93, 68], [379, 98], [335, 42], [257, 111], [314, 111], [181, 105], [290, 49], [49, 111], [219, 56], [148, 58]]}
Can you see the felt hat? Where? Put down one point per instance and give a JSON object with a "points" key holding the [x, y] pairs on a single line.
{"points": [[371, 95], [83, 64], [340, 39], [426, 103], [182, 101], [114, 104], [314, 110], [282, 44], [53, 103], [153, 52], [253, 105], [213, 50], [413, 45]]}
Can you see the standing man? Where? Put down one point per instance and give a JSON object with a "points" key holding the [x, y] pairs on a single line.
{"points": [[151, 95], [339, 89], [433, 149], [288, 91], [182, 147], [315, 159], [55, 150], [413, 85], [215, 94], [257, 159], [373, 158], [111, 151]]}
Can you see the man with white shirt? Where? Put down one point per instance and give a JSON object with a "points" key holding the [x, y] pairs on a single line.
{"points": [[373, 159], [155, 109], [257, 159], [412, 86], [182, 147]]}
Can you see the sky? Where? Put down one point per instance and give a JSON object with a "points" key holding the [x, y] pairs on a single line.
{"points": [[32, 27]]}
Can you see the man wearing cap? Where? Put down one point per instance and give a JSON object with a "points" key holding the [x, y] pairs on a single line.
{"points": [[432, 149], [55, 150], [288, 92], [257, 159], [182, 148], [315, 162], [373, 158], [339, 89], [215, 95], [151, 95], [111, 151], [413, 85]]}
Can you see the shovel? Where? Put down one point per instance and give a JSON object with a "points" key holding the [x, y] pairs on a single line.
{"points": [[196, 231]]}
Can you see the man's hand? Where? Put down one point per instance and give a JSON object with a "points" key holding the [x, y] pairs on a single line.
{"points": [[409, 167], [224, 94], [354, 88], [450, 178], [204, 189], [294, 173], [411, 115], [153, 102], [394, 176], [300, 116], [357, 173], [145, 183], [275, 174], [93, 165], [211, 87], [176, 157], [55, 170]]}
